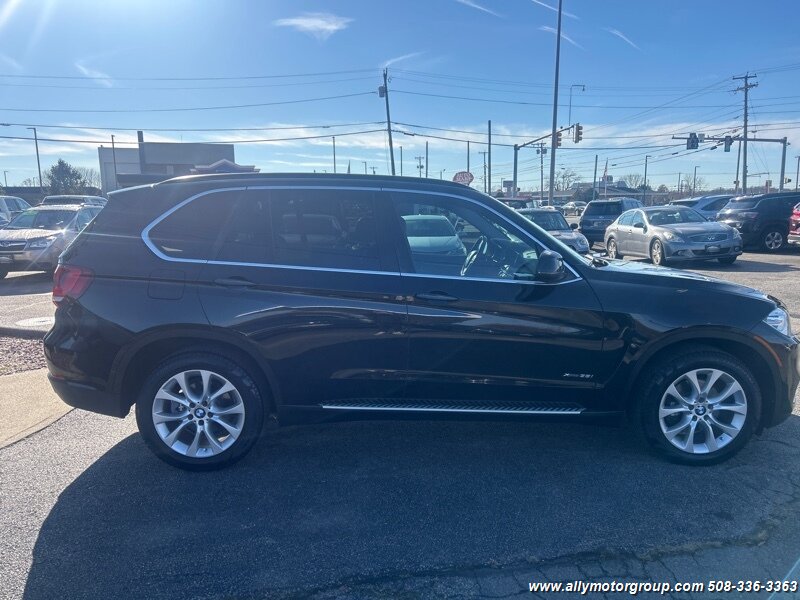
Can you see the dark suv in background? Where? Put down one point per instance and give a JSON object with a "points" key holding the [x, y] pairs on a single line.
{"points": [[599, 214], [762, 220], [211, 302]]}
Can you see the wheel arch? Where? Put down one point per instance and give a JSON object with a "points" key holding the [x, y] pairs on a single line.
{"points": [[752, 354], [133, 363]]}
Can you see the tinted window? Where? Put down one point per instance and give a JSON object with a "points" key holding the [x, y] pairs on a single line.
{"points": [[248, 236], [718, 204], [603, 209], [626, 219], [325, 228], [550, 220], [428, 226], [190, 231], [673, 216]]}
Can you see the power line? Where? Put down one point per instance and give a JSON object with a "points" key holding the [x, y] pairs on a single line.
{"points": [[200, 129], [95, 88], [227, 78]]}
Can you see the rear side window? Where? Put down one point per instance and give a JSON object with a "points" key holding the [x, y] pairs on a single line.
{"points": [[325, 228], [248, 237], [603, 208], [717, 204], [191, 231]]}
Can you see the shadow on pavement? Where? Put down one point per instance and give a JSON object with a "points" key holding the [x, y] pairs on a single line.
{"points": [[29, 283], [320, 505]]}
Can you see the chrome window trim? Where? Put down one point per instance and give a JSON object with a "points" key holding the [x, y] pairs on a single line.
{"points": [[145, 235]]}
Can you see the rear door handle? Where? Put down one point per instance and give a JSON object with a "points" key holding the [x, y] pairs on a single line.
{"points": [[234, 282], [436, 297]]}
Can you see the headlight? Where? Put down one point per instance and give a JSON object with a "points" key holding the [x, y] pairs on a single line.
{"points": [[582, 241], [778, 319], [668, 235], [42, 243]]}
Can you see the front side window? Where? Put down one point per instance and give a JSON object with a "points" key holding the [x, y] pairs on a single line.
{"points": [[638, 218], [627, 218], [475, 243], [325, 228], [191, 231]]}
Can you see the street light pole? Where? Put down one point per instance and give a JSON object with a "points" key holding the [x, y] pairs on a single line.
{"points": [[5, 178], [401, 161], [694, 181], [365, 166], [441, 173], [333, 137], [644, 189], [797, 175], [553, 134], [114, 156], [38, 162], [574, 85]]}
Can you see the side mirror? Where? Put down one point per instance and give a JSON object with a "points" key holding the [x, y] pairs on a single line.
{"points": [[573, 226], [550, 267], [638, 225]]}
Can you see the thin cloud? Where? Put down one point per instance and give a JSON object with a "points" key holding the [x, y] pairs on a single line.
{"points": [[103, 79], [398, 59], [554, 9], [10, 62], [622, 36], [563, 36], [477, 6], [319, 25]]}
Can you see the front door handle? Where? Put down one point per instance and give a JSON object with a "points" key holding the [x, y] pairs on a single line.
{"points": [[239, 282], [436, 297]]}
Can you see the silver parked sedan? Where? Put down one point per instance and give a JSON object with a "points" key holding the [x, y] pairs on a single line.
{"points": [[671, 234]]}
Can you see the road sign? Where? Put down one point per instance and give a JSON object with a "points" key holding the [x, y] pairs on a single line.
{"points": [[464, 177]]}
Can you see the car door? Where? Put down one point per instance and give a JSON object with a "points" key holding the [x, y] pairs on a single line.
{"points": [[624, 232], [637, 242], [480, 328], [308, 276]]}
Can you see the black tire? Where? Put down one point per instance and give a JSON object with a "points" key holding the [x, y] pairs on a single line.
{"points": [[727, 260], [772, 239], [655, 381], [251, 398], [657, 253], [612, 249]]}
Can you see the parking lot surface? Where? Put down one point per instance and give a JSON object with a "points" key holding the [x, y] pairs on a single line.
{"points": [[398, 509]]}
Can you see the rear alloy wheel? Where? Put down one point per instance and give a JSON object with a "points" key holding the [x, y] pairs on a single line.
{"points": [[611, 248], [657, 252], [773, 240], [699, 408], [199, 412]]}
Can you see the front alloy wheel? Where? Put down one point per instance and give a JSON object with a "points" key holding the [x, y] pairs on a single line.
{"points": [[657, 253], [702, 411], [773, 240]]}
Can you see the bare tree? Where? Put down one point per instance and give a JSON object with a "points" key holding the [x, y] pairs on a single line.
{"points": [[91, 176], [565, 179], [690, 184], [633, 180], [29, 182]]}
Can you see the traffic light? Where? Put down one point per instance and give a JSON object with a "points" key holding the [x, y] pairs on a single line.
{"points": [[692, 143], [728, 143], [558, 139], [578, 135]]}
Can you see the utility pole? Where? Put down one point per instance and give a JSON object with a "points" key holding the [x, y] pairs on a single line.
{"points": [[516, 153], [441, 173], [365, 166], [334, 153], [746, 87], [797, 175], [490, 158], [485, 152], [38, 162], [426, 159], [694, 181], [388, 118], [644, 189], [542, 150], [401, 161], [594, 180], [5, 178], [555, 107], [114, 156], [419, 164], [467, 156], [680, 186], [738, 160], [783, 166]]}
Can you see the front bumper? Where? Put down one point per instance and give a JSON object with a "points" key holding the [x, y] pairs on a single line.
{"points": [[689, 250], [788, 355], [30, 260]]}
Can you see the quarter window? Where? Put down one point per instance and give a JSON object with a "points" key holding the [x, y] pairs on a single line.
{"points": [[190, 231]]}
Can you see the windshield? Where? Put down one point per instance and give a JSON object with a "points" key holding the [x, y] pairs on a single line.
{"points": [[42, 219], [550, 220], [436, 227], [610, 209], [674, 216]]}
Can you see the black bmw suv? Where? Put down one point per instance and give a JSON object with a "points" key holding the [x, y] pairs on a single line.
{"points": [[211, 302]]}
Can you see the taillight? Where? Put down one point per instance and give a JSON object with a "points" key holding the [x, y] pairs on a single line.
{"points": [[70, 281]]}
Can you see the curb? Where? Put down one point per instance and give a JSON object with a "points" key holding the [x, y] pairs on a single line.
{"points": [[21, 332], [33, 429]]}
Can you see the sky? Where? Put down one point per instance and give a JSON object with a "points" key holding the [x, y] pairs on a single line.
{"points": [[261, 72]]}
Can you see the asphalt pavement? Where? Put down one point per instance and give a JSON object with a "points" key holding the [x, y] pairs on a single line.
{"points": [[25, 302], [398, 509]]}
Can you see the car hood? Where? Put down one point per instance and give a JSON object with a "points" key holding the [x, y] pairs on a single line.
{"points": [[24, 235], [695, 228], [643, 273]]}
